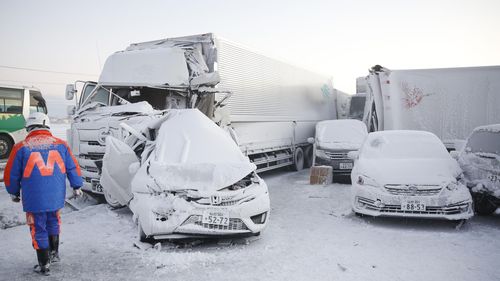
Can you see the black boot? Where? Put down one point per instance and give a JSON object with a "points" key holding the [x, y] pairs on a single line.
{"points": [[54, 248], [43, 261]]}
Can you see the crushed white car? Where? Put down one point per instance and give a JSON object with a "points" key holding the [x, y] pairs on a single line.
{"points": [[408, 174], [480, 161], [183, 176]]}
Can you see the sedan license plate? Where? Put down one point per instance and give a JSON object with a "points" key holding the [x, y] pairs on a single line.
{"points": [[216, 217], [412, 206], [345, 166]]}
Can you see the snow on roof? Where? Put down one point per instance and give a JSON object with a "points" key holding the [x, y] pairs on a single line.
{"points": [[403, 144], [146, 67], [345, 131], [494, 128]]}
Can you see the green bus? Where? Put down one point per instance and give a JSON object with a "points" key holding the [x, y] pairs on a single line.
{"points": [[16, 103]]}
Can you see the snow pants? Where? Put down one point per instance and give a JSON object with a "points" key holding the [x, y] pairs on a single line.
{"points": [[42, 225]]}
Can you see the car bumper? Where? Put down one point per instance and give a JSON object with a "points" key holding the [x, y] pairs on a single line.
{"points": [[373, 201], [335, 164], [246, 218]]}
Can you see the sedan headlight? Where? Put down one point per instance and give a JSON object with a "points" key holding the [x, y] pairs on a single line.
{"points": [[321, 154], [452, 186], [364, 180]]}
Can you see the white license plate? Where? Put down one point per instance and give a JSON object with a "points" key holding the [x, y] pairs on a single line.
{"points": [[216, 217], [345, 166], [412, 206]]}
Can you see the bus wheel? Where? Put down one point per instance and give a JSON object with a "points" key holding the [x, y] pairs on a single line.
{"points": [[6, 144]]}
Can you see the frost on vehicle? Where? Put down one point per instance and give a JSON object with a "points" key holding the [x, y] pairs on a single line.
{"points": [[409, 174], [334, 140], [182, 175], [480, 160]]}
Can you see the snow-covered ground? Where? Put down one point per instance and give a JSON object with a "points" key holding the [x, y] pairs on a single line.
{"points": [[312, 235]]}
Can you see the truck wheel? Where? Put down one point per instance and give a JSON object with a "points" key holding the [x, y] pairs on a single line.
{"points": [[112, 202], [298, 159], [6, 144], [308, 156], [483, 206]]}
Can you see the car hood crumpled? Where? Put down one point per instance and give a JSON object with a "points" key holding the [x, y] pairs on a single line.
{"points": [[409, 171], [191, 152]]}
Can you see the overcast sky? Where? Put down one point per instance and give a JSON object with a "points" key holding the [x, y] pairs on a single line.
{"points": [[338, 38]]}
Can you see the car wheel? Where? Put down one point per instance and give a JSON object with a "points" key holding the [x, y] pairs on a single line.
{"points": [[112, 202], [6, 144], [298, 159], [483, 206]]}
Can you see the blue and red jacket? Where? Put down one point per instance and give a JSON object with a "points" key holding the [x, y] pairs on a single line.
{"points": [[37, 169]]}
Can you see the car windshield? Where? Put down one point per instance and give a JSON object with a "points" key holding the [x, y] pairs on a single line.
{"points": [[484, 142], [404, 146], [341, 131]]}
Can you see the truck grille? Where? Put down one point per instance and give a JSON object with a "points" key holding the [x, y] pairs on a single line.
{"points": [[234, 224], [413, 189]]}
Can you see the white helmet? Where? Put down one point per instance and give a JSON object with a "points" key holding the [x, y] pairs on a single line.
{"points": [[37, 119]]}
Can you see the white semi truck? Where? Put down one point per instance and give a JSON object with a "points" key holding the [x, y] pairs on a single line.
{"points": [[269, 106], [449, 102]]}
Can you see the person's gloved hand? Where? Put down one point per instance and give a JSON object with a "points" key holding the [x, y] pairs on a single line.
{"points": [[15, 198], [77, 192]]}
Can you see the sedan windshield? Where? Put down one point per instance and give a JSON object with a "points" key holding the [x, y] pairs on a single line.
{"points": [[485, 142], [404, 146]]}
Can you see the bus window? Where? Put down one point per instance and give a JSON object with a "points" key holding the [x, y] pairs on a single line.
{"points": [[11, 100], [37, 103]]}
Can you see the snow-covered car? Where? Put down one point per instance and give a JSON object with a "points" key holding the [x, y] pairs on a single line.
{"points": [[480, 161], [183, 176], [408, 174], [334, 139]]}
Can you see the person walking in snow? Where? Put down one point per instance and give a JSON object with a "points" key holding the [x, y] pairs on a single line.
{"points": [[36, 171]]}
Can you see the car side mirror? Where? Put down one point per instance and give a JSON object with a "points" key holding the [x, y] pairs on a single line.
{"points": [[71, 110], [354, 155], [70, 91], [310, 140], [454, 154]]}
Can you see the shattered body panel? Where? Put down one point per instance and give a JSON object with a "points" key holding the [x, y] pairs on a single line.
{"points": [[192, 179], [480, 161], [422, 185]]}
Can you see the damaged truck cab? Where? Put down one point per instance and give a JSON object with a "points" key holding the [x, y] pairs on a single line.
{"points": [[269, 107]]}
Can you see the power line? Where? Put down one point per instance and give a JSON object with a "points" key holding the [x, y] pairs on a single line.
{"points": [[46, 70], [32, 82]]}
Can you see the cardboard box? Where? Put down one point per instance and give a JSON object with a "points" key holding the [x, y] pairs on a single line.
{"points": [[321, 175]]}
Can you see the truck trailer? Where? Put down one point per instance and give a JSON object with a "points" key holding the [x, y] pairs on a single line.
{"points": [[270, 107], [449, 102]]}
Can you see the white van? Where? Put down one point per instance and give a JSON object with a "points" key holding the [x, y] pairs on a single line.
{"points": [[333, 140]]}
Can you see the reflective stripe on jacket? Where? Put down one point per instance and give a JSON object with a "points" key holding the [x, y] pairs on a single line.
{"points": [[37, 169]]}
